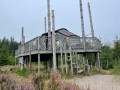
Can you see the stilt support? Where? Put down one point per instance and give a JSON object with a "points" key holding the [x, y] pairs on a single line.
{"points": [[38, 63], [66, 63]]}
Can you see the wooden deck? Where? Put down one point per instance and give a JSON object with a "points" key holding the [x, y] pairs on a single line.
{"points": [[36, 46]]}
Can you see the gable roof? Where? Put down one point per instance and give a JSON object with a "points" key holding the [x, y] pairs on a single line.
{"points": [[64, 32]]}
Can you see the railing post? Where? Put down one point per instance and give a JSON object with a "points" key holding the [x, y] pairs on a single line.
{"points": [[38, 43]]}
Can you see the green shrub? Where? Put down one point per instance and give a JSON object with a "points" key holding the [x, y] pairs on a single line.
{"points": [[116, 69], [39, 81]]}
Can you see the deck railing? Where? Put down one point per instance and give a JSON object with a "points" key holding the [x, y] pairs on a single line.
{"points": [[40, 43]]}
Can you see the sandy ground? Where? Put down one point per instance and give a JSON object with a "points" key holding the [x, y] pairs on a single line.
{"points": [[98, 82]]}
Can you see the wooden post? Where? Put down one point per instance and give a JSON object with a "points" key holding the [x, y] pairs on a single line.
{"points": [[22, 63], [82, 24], [98, 61], [27, 62], [88, 68], [101, 64], [53, 40], [61, 58], [91, 65], [30, 60], [66, 63], [57, 60], [79, 60], [49, 25], [23, 41], [38, 63], [85, 61], [45, 25], [38, 44], [90, 16], [71, 58], [107, 63], [15, 61]]}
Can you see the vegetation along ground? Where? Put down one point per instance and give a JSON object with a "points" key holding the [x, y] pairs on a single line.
{"points": [[12, 78]]}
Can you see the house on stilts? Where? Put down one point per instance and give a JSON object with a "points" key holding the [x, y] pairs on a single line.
{"points": [[62, 42]]}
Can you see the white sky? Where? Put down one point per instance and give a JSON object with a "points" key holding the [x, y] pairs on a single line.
{"points": [[30, 13]]}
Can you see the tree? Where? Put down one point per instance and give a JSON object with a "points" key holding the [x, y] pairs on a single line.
{"points": [[4, 53], [106, 57], [116, 49], [7, 50]]}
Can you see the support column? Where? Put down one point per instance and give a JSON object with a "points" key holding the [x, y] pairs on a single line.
{"points": [[66, 63], [45, 25], [57, 61], [98, 61], [30, 62], [27, 62], [38, 63], [85, 61], [82, 23], [79, 60], [90, 16], [53, 40], [49, 25], [22, 63], [71, 59], [15, 61], [48, 66], [61, 58], [88, 67]]}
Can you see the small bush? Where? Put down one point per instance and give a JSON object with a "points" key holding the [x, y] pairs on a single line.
{"points": [[116, 70], [69, 86], [56, 83], [7, 83], [39, 81]]}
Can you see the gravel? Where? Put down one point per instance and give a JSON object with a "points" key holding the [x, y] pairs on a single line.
{"points": [[97, 82]]}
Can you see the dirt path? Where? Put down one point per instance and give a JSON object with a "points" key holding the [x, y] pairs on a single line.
{"points": [[98, 82]]}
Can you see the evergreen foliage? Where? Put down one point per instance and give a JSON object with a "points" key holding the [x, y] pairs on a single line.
{"points": [[7, 51]]}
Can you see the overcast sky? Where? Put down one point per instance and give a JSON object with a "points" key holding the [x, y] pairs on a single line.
{"points": [[30, 14]]}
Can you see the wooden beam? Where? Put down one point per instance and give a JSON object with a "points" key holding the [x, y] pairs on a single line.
{"points": [[76, 61], [49, 25], [91, 23], [82, 23], [30, 60], [71, 57], [88, 67], [45, 25], [79, 60], [15, 61], [61, 58], [85, 61], [53, 40], [38, 63], [57, 60], [66, 63], [98, 61]]}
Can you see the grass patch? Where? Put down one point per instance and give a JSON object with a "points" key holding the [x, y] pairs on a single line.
{"points": [[24, 72]]}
